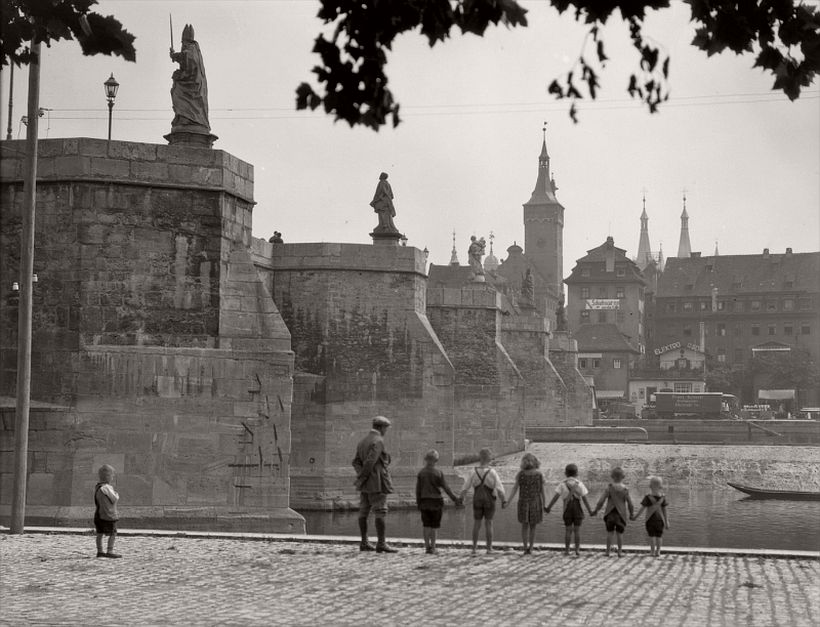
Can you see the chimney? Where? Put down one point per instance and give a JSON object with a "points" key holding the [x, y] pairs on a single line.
{"points": [[789, 251], [765, 253], [609, 254], [695, 255]]}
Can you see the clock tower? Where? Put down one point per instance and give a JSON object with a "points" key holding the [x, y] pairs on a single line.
{"points": [[544, 235]]}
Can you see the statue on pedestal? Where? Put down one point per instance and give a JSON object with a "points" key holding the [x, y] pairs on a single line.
{"points": [[560, 315], [189, 95], [474, 254], [382, 204]]}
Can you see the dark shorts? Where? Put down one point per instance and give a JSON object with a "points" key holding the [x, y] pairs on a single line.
{"points": [[377, 501], [573, 514], [654, 527], [105, 527], [614, 522], [484, 510], [431, 511]]}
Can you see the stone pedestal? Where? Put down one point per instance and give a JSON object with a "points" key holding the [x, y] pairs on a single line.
{"points": [[202, 139], [153, 329], [385, 237]]}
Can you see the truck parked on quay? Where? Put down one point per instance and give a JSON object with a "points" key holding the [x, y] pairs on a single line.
{"points": [[702, 405]]}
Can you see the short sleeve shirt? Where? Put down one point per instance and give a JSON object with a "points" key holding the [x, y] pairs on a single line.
{"points": [[578, 488]]}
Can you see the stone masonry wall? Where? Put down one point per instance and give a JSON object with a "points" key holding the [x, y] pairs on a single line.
{"points": [[489, 389], [152, 327], [576, 394], [363, 347]]}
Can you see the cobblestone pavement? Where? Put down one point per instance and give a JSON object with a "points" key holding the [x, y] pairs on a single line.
{"points": [[56, 579]]}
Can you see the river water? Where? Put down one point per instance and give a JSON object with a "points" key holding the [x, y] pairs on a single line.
{"points": [[698, 518]]}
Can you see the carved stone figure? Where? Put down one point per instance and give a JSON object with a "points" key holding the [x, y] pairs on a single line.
{"points": [[189, 93], [560, 315], [382, 204], [474, 254], [528, 287]]}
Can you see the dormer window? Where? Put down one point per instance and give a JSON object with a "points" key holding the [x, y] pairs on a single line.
{"points": [[689, 287], [585, 272], [620, 272]]}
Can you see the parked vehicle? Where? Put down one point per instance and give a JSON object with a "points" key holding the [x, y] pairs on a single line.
{"points": [[703, 405]]}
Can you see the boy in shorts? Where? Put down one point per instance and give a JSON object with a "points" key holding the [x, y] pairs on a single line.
{"points": [[429, 484], [105, 514], [617, 501], [486, 484], [574, 493], [657, 519]]}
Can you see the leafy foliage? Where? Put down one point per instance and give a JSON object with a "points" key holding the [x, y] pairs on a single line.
{"points": [[44, 21], [785, 37], [792, 370]]}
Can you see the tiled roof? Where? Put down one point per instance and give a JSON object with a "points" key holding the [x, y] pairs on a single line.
{"points": [[602, 337], [737, 274], [595, 262]]}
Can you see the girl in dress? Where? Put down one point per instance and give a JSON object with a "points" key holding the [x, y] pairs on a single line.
{"points": [[530, 482]]}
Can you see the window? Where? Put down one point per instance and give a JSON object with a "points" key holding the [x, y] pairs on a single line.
{"points": [[602, 316], [721, 355], [738, 330], [788, 329], [704, 305], [582, 363], [602, 291], [721, 305], [721, 329], [788, 284], [616, 363], [670, 307], [739, 354], [620, 316], [687, 330], [585, 315], [687, 306], [805, 329], [620, 272], [683, 388], [804, 304], [755, 305], [788, 304], [596, 363], [772, 328], [738, 305], [736, 285], [585, 272], [771, 305], [584, 292], [619, 292], [755, 329]]}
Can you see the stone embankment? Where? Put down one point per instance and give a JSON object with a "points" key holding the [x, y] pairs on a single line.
{"points": [[680, 465]]}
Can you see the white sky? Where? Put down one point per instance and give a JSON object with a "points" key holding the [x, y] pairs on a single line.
{"points": [[465, 157]]}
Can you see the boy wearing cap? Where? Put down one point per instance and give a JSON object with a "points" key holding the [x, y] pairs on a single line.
{"points": [[373, 482]]}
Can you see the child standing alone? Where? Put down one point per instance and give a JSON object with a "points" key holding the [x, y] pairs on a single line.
{"points": [[656, 518], [617, 501], [531, 502], [105, 514], [573, 492], [429, 484], [486, 484]]}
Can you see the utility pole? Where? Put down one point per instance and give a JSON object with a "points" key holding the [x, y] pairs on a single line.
{"points": [[18, 505], [11, 98]]}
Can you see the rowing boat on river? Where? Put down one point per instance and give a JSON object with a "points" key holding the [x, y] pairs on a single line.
{"points": [[785, 495]]}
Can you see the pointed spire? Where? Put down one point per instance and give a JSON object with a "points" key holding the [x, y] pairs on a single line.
{"points": [[717, 252], [491, 261], [454, 253], [684, 247], [660, 258], [644, 249], [545, 187]]}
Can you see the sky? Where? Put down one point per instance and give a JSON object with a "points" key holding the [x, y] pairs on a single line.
{"points": [[465, 158]]}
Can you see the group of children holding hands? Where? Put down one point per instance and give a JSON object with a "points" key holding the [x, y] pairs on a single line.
{"points": [[532, 496]]}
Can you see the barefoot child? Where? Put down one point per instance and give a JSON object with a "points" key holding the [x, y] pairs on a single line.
{"points": [[105, 514], [531, 502], [429, 484], [617, 501], [574, 493], [656, 518], [486, 484]]}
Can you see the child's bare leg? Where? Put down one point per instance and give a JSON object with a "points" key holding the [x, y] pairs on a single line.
{"points": [[567, 538], [488, 529], [99, 544], [524, 534], [620, 539], [576, 530], [651, 546], [609, 535], [658, 542], [476, 530], [432, 538], [111, 540], [425, 532], [532, 536]]}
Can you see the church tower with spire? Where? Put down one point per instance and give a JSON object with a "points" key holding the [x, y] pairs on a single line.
{"points": [[644, 249], [684, 247], [544, 232]]}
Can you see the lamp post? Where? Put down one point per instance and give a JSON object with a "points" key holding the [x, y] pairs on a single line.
{"points": [[111, 87]]}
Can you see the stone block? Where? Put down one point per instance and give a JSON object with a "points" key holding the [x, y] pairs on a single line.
{"points": [[149, 171], [69, 165]]}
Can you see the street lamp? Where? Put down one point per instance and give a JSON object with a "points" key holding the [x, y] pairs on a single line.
{"points": [[111, 87]]}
